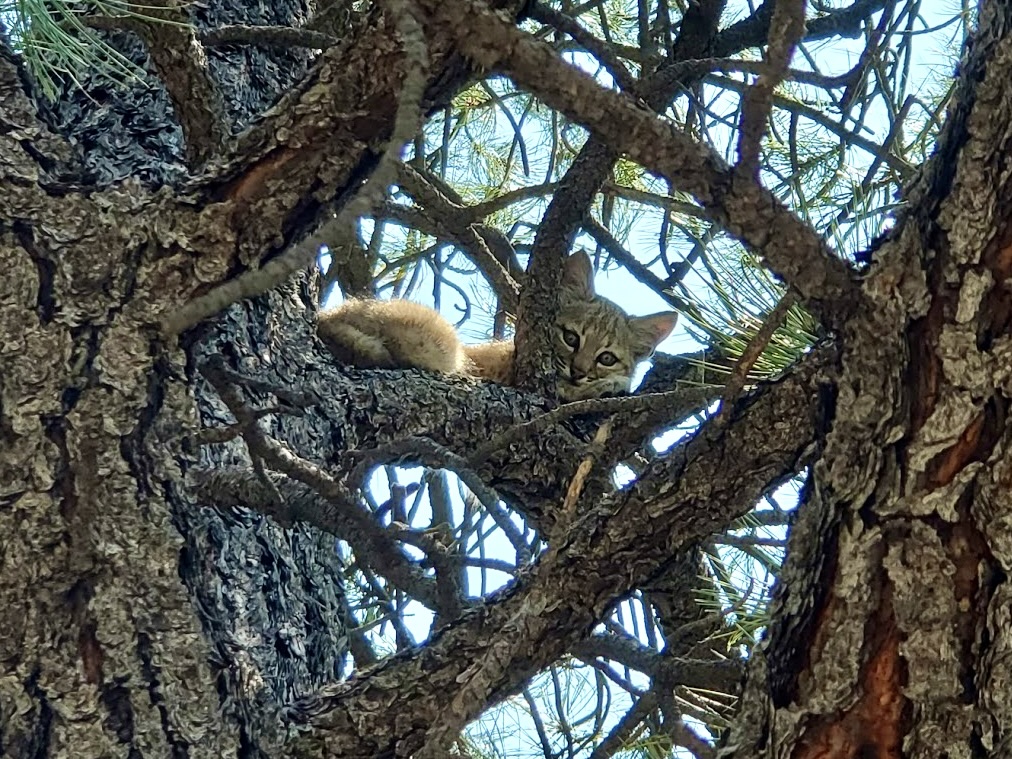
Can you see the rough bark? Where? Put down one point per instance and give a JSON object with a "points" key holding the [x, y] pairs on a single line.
{"points": [[892, 632], [106, 650]]}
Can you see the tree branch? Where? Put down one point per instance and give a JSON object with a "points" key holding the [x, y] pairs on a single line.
{"points": [[459, 222], [786, 28], [177, 56], [407, 120], [618, 544], [598, 48], [753, 30], [343, 518], [794, 251]]}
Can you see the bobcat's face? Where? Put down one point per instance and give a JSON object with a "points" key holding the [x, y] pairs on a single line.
{"points": [[590, 359], [598, 346]]}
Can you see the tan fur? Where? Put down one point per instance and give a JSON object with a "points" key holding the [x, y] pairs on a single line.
{"points": [[493, 361], [402, 334], [392, 334]]}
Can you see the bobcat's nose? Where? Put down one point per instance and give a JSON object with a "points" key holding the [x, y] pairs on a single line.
{"points": [[575, 375]]}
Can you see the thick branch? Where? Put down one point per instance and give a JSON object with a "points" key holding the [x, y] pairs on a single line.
{"points": [[620, 543], [790, 248], [178, 57], [753, 30]]}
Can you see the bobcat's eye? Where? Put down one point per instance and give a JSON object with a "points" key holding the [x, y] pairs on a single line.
{"points": [[607, 359], [571, 338]]}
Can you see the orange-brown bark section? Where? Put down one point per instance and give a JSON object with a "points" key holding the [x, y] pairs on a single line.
{"points": [[253, 182], [92, 656], [874, 727], [997, 304], [950, 462], [924, 365]]}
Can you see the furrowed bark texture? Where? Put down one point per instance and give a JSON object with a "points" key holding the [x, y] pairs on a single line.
{"points": [[893, 621], [105, 651]]}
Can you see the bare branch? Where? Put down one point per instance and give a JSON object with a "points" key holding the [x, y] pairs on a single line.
{"points": [[619, 736], [721, 673], [459, 222], [179, 59], [794, 252], [492, 651], [786, 28], [753, 30], [428, 453], [268, 36], [288, 503], [607, 240], [598, 48], [345, 519], [847, 136]]}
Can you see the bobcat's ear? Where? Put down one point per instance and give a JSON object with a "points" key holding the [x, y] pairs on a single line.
{"points": [[578, 275], [653, 329]]}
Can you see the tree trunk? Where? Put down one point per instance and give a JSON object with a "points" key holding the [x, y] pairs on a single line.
{"points": [[891, 636], [105, 651]]}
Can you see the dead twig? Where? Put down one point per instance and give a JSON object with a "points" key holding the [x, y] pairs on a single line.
{"points": [[739, 374], [350, 521], [575, 488]]}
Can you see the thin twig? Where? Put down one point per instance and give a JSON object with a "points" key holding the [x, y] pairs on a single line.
{"points": [[513, 534], [460, 223], [822, 118], [751, 354], [576, 485], [786, 27], [598, 48]]}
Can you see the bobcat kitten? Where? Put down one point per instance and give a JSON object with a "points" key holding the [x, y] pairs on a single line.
{"points": [[597, 345]]}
